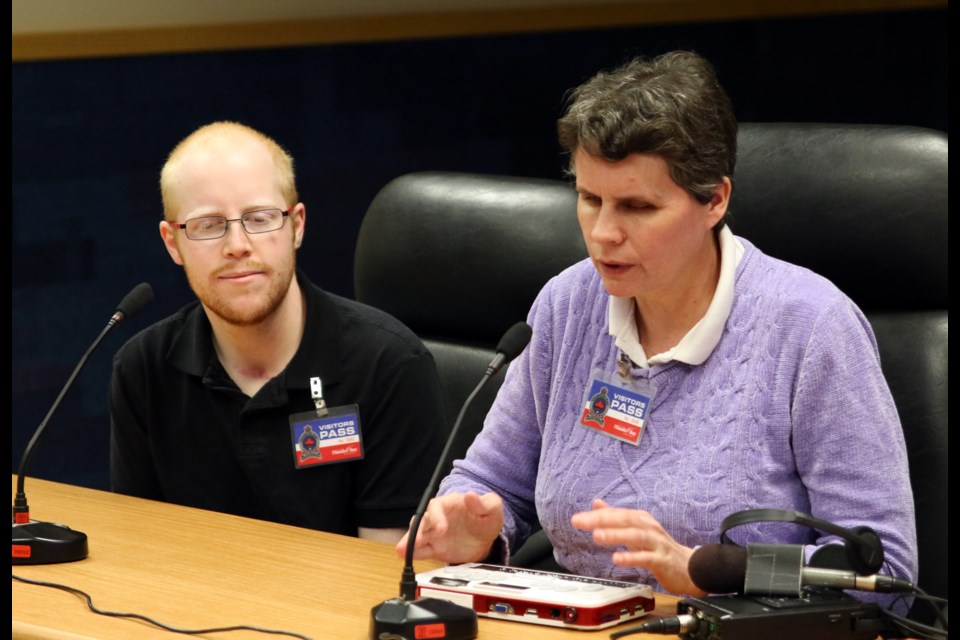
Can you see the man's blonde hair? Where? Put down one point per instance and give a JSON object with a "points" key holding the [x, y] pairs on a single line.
{"points": [[281, 160]]}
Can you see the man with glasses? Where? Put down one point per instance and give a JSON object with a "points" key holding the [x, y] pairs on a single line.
{"points": [[268, 397]]}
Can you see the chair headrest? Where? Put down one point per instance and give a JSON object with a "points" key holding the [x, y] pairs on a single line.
{"points": [[464, 255], [862, 205]]}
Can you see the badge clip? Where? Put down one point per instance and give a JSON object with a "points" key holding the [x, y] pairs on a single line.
{"points": [[623, 366], [316, 392]]}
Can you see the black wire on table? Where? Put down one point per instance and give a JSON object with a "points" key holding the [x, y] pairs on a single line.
{"points": [[137, 616]]}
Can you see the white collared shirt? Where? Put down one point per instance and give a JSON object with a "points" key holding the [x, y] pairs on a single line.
{"points": [[700, 341]]}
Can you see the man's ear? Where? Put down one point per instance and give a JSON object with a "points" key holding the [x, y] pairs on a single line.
{"points": [[169, 236], [299, 216]]}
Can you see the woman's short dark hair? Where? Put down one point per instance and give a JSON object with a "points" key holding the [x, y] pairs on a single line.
{"points": [[672, 106]]}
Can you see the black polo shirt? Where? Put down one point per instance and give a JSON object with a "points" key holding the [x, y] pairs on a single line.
{"points": [[183, 432]]}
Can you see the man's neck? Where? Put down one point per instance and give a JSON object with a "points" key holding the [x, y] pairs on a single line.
{"points": [[254, 354]]}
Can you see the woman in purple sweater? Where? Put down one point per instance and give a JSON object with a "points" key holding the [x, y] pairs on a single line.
{"points": [[678, 375]]}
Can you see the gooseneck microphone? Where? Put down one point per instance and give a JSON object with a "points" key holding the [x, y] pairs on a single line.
{"points": [[44, 542], [511, 344], [407, 617], [775, 570]]}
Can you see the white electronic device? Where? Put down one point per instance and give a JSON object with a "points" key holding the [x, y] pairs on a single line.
{"points": [[540, 597]]}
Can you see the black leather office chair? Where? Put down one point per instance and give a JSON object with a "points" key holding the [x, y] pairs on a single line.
{"points": [[460, 257]]}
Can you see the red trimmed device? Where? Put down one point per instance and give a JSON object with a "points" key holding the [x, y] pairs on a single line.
{"points": [[539, 597]]}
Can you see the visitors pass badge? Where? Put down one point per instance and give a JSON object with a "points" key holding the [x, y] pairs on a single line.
{"points": [[616, 410], [335, 437]]}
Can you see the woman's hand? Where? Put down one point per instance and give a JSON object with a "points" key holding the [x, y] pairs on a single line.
{"points": [[457, 528], [647, 544]]}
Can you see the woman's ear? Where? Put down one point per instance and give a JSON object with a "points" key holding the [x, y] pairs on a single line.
{"points": [[717, 207]]}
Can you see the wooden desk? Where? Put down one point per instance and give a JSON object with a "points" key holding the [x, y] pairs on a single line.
{"points": [[190, 568]]}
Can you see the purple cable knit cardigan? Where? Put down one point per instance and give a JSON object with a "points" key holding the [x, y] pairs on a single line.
{"points": [[790, 411]]}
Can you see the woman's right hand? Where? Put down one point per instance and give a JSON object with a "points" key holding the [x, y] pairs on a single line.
{"points": [[457, 528]]}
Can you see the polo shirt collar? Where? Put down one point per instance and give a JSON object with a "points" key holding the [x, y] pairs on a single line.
{"points": [[319, 352], [192, 347]]}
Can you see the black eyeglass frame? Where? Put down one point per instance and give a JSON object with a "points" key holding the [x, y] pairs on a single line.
{"points": [[226, 227]]}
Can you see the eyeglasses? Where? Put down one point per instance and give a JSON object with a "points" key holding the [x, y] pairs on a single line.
{"points": [[213, 227]]}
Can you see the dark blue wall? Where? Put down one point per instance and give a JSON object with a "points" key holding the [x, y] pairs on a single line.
{"points": [[90, 136]]}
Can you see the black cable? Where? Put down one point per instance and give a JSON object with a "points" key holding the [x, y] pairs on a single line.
{"points": [[902, 597], [904, 623], [912, 627], [137, 616]]}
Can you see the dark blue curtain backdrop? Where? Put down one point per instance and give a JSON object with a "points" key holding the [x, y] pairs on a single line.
{"points": [[90, 136]]}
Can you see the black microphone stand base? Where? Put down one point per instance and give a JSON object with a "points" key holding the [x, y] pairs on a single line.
{"points": [[400, 619], [47, 543]]}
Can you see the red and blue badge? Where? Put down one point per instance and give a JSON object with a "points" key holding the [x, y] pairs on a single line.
{"points": [[335, 437], [616, 410]]}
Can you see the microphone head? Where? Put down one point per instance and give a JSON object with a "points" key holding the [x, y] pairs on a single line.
{"points": [[135, 301], [514, 341], [719, 568]]}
